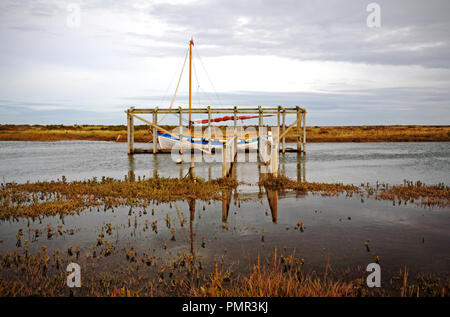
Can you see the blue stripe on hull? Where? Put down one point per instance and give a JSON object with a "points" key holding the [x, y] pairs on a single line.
{"points": [[203, 141]]}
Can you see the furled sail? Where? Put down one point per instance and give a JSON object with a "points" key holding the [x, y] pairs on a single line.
{"points": [[228, 118]]}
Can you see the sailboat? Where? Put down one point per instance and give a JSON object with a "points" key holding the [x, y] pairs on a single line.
{"points": [[168, 140]]}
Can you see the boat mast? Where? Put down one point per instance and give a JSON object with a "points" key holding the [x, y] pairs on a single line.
{"points": [[192, 165], [191, 43]]}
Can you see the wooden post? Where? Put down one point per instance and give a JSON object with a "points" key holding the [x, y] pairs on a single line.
{"points": [[260, 121], [235, 117], [276, 138], [228, 155], [180, 124], [234, 145], [284, 128], [155, 132], [130, 132], [299, 144], [304, 170], [209, 128], [224, 160], [304, 133], [260, 131], [279, 118], [274, 153]]}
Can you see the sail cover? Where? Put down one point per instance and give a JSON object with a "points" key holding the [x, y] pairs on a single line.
{"points": [[228, 118]]}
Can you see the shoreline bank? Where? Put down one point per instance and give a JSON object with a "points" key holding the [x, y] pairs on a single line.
{"points": [[314, 134]]}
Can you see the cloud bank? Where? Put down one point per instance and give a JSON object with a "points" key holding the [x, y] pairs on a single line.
{"points": [[321, 55]]}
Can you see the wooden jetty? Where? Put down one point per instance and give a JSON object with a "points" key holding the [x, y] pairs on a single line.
{"points": [[268, 146], [299, 124]]}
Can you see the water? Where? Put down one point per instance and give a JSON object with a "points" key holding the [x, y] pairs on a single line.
{"points": [[335, 227], [354, 163]]}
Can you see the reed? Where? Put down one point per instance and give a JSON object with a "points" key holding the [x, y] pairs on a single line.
{"points": [[398, 133], [416, 193], [62, 197], [281, 275]]}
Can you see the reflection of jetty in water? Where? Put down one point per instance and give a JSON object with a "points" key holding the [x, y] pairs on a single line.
{"points": [[272, 195]]}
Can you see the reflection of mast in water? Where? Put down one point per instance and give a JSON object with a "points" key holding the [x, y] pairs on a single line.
{"points": [[191, 221], [226, 197]]}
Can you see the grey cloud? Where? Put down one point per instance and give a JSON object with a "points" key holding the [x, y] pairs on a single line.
{"points": [[412, 33], [319, 30]]}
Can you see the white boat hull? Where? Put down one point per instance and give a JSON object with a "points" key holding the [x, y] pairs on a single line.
{"points": [[170, 142]]}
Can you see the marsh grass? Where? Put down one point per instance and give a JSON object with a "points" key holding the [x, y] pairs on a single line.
{"points": [[23, 274], [411, 133], [409, 192], [62, 197]]}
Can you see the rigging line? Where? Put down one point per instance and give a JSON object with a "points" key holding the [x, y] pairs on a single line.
{"points": [[207, 96], [198, 84], [199, 88], [178, 85], [196, 80], [209, 78], [163, 99]]}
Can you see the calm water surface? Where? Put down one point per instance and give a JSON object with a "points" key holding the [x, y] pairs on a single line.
{"points": [[335, 227], [325, 162]]}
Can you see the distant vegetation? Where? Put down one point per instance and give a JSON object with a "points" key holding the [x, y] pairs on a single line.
{"points": [[143, 133]]}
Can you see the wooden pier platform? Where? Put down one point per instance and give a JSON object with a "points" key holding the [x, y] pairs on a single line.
{"points": [[168, 151]]}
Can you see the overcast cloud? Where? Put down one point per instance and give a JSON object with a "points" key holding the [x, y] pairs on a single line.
{"points": [[317, 54]]}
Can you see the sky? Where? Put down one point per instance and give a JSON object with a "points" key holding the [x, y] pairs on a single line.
{"points": [[347, 62]]}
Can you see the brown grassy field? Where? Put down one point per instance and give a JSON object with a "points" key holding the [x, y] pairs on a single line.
{"points": [[413, 133]]}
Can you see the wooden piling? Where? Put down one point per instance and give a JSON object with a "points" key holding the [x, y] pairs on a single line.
{"points": [[229, 152], [209, 127], [235, 117], [299, 124], [284, 128], [304, 134], [180, 123], [274, 152], [260, 127], [155, 132], [224, 160], [130, 132]]}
